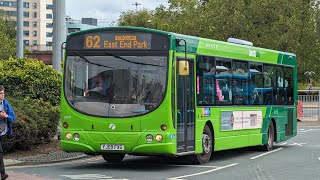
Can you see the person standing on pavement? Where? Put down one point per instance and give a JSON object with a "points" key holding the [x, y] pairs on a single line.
{"points": [[7, 117]]}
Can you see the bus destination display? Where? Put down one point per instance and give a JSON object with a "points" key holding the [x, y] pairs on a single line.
{"points": [[117, 41]]}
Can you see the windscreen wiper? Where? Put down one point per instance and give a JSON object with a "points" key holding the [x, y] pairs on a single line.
{"points": [[119, 57], [87, 60]]}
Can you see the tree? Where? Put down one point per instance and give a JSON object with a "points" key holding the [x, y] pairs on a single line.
{"points": [[139, 19], [7, 37]]}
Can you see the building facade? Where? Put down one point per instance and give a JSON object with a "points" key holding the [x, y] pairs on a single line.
{"points": [[37, 22], [77, 25]]}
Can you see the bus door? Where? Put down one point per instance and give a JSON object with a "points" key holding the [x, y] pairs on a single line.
{"points": [[185, 109]]}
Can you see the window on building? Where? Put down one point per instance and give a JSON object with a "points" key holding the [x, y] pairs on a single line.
{"points": [[34, 33], [25, 23], [26, 42], [34, 14], [11, 13], [34, 42], [8, 4], [49, 25], [25, 4], [49, 6], [48, 43], [26, 33], [34, 5], [49, 16], [49, 34], [26, 14], [34, 23]]}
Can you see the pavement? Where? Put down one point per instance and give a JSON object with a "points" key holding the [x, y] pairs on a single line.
{"points": [[52, 157]]}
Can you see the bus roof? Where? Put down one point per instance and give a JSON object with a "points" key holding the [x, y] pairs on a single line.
{"points": [[207, 46]]}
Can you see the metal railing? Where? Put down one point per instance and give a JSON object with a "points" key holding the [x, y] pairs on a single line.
{"points": [[38, 48], [310, 100]]}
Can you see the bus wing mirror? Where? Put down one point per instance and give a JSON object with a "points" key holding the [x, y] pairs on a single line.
{"points": [[183, 68]]}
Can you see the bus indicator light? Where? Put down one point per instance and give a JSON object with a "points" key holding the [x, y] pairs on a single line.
{"points": [[65, 125], [163, 127]]}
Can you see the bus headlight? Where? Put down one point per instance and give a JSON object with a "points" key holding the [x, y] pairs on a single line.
{"points": [[76, 137], [159, 137], [68, 136], [149, 138]]}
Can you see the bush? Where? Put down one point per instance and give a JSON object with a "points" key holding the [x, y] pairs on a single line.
{"points": [[36, 91], [30, 78], [36, 123]]}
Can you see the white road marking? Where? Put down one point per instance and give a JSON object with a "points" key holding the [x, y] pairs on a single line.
{"points": [[155, 164], [304, 131], [284, 143], [200, 173], [319, 158], [172, 165], [91, 176], [298, 144], [267, 153]]}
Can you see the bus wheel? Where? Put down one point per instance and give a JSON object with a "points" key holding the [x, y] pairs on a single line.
{"points": [[269, 145], [207, 140], [113, 158]]}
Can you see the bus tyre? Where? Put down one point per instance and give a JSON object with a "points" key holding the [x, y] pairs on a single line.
{"points": [[207, 146], [113, 158], [269, 145]]}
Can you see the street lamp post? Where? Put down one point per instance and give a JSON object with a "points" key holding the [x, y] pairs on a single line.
{"points": [[310, 74]]}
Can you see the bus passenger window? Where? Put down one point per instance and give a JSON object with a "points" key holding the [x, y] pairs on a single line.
{"points": [[255, 85], [205, 80], [269, 89], [240, 82], [288, 85], [223, 82]]}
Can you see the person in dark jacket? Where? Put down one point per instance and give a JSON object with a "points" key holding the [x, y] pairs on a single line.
{"points": [[7, 117]]}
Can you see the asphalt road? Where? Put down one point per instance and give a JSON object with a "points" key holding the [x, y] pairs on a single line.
{"points": [[298, 158]]}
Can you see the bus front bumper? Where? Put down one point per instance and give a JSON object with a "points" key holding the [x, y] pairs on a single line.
{"points": [[133, 143]]}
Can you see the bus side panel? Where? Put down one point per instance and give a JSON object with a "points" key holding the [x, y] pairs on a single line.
{"points": [[285, 123], [230, 138]]}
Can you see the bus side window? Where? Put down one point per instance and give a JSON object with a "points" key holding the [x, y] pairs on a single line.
{"points": [[223, 81], [256, 89], [205, 80]]}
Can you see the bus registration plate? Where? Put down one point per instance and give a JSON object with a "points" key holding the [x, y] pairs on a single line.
{"points": [[117, 147]]}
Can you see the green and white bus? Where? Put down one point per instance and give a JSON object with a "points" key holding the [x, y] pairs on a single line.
{"points": [[172, 94]]}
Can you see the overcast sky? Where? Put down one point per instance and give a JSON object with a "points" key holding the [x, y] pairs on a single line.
{"points": [[106, 11]]}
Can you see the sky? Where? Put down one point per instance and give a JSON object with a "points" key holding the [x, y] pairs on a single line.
{"points": [[106, 11]]}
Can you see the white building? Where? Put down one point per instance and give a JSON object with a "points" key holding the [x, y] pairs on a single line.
{"points": [[37, 22]]}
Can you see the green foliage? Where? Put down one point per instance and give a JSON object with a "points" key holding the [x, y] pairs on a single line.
{"points": [[141, 18], [284, 25], [7, 37], [36, 123], [29, 78]]}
